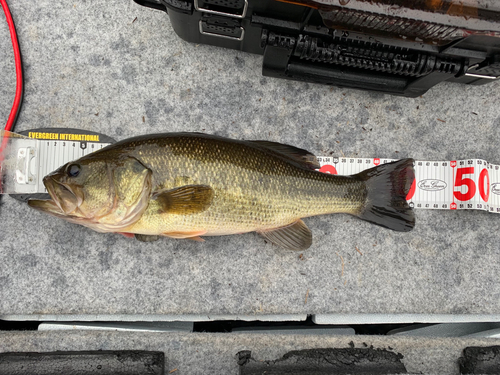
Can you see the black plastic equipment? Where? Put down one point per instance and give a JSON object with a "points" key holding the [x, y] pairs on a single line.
{"points": [[347, 45], [117, 362]]}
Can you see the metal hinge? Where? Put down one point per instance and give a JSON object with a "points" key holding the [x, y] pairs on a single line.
{"points": [[476, 75], [225, 14]]}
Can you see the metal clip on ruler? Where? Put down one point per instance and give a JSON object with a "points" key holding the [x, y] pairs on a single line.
{"points": [[28, 157], [448, 185]]}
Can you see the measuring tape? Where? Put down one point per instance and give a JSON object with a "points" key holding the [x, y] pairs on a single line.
{"points": [[31, 155], [448, 185], [53, 154]]}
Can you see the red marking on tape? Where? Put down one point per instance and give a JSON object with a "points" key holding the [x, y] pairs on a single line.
{"points": [[376, 161], [484, 192], [453, 206], [468, 182], [453, 163], [327, 168], [412, 190]]}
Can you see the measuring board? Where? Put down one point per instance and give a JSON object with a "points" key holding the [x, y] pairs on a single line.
{"points": [[31, 155], [452, 185], [53, 154]]}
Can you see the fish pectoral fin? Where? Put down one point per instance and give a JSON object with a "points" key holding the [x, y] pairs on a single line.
{"points": [[295, 236], [194, 235], [298, 155], [146, 237], [185, 200]]}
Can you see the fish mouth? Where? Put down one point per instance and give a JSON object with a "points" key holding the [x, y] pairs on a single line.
{"points": [[47, 206], [62, 195]]}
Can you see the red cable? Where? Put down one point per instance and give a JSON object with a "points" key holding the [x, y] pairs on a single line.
{"points": [[19, 85], [19, 71]]}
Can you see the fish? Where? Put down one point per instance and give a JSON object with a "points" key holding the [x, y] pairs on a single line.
{"points": [[192, 185]]}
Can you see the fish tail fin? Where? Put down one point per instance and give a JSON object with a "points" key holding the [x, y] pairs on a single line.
{"points": [[387, 186]]}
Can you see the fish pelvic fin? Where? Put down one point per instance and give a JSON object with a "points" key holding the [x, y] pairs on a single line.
{"points": [[296, 236], [387, 186]]}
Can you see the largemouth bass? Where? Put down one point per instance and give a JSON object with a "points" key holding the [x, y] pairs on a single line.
{"points": [[187, 185]]}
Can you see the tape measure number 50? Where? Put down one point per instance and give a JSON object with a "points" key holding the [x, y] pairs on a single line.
{"points": [[456, 184]]}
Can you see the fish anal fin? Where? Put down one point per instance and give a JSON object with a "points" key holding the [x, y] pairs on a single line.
{"points": [[193, 235], [298, 155], [185, 200], [295, 236]]}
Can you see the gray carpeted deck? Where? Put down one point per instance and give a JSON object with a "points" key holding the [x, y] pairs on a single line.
{"points": [[118, 68]]}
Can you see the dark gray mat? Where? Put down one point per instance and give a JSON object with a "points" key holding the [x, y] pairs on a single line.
{"points": [[204, 353]]}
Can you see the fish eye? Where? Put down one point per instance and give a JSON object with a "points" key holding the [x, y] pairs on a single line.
{"points": [[73, 170]]}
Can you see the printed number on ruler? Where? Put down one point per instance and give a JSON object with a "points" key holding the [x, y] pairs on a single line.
{"points": [[457, 184], [57, 153]]}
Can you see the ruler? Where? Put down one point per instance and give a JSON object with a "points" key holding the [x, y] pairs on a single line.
{"points": [[26, 158], [33, 159], [54, 154], [448, 185]]}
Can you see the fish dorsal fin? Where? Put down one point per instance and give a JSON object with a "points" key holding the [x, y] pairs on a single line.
{"points": [[296, 236], [185, 200], [303, 157]]}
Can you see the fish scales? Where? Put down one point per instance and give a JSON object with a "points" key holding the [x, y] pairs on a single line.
{"points": [[254, 189]]}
